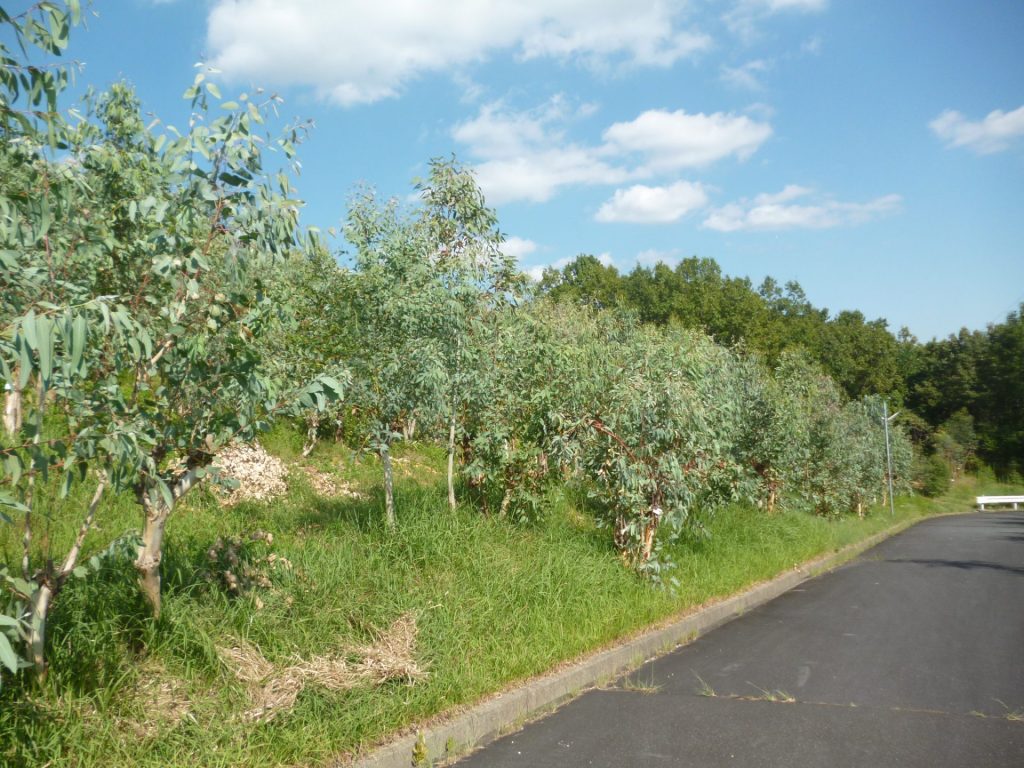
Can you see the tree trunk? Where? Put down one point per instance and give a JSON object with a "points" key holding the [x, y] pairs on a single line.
{"points": [[451, 461], [43, 598], [312, 435], [12, 407], [451, 424], [389, 489], [649, 529], [409, 429], [151, 551], [621, 537], [37, 630]]}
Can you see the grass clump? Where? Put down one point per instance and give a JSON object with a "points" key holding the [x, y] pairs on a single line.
{"points": [[366, 631]]}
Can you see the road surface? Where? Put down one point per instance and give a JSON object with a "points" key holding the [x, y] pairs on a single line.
{"points": [[911, 655]]}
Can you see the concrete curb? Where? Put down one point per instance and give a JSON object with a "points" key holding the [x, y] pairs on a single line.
{"points": [[495, 716]]}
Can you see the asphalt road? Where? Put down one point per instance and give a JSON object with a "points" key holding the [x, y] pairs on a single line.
{"points": [[911, 655]]}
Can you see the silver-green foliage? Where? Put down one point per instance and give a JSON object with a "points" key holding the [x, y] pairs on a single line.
{"points": [[398, 364], [663, 426], [131, 265]]}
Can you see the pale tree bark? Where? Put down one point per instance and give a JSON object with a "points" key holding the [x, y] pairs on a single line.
{"points": [[43, 597], [12, 406], [451, 426], [649, 529], [389, 488], [506, 500], [312, 435], [451, 461], [147, 563], [151, 550], [409, 428]]}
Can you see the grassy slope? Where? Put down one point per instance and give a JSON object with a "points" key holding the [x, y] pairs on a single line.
{"points": [[495, 604]]}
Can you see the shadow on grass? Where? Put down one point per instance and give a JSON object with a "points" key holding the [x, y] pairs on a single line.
{"points": [[98, 625]]}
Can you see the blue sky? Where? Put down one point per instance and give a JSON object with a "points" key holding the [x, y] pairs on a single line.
{"points": [[871, 150]]}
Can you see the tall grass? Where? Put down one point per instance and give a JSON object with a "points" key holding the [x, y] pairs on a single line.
{"points": [[495, 603]]}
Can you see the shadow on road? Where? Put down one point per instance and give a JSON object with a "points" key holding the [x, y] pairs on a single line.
{"points": [[963, 565]]}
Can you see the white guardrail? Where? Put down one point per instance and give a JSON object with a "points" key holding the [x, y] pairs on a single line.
{"points": [[999, 501]]}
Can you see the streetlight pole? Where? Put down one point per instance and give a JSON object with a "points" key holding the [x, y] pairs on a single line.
{"points": [[888, 454]]}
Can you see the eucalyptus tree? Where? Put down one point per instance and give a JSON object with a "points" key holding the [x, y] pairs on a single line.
{"points": [[399, 365], [642, 416], [806, 389], [475, 275], [765, 441], [41, 343], [528, 394], [658, 449], [131, 267], [310, 334]]}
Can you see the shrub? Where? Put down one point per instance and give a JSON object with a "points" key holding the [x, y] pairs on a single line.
{"points": [[931, 475]]}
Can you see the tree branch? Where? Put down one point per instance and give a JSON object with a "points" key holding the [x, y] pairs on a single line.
{"points": [[72, 558]]}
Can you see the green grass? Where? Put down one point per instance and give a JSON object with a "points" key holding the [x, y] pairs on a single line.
{"points": [[495, 603]]}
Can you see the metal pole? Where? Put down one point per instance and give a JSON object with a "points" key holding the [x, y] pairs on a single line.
{"points": [[888, 457]]}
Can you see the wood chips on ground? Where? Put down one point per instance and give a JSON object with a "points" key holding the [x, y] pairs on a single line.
{"points": [[326, 484], [260, 476]]}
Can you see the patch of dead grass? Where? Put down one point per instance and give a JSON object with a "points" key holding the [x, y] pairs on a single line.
{"points": [[162, 698], [273, 691], [328, 485]]}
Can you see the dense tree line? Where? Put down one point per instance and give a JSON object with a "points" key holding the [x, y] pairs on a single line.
{"points": [[961, 394]]}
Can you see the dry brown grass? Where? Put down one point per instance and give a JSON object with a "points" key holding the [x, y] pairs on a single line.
{"points": [[163, 700], [272, 691], [327, 485]]}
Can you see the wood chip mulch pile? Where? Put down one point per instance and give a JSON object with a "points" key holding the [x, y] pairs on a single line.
{"points": [[260, 476]]}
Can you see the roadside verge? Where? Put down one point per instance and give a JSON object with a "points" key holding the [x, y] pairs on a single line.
{"points": [[447, 738]]}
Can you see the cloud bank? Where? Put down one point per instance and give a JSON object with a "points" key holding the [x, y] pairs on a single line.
{"points": [[994, 133], [526, 155], [354, 52], [653, 205], [779, 211]]}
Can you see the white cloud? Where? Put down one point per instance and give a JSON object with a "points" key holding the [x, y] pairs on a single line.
{"points": [[812, 46], [789, 192], [518, 247], [778, 211], [747, 75], [472, 91], [992, 134], [674, 140], [775, 6], [744, 16], [524, 155], [353, 52], [653, 256], [537, 176], [653, 205]]}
